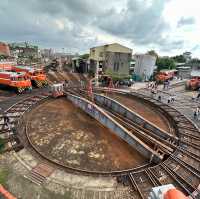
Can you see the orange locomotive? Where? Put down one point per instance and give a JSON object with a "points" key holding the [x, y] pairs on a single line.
{"points": [[7, 65], [193, 84], [5, 193], [164, 75], [18, 81], [37, 76]]}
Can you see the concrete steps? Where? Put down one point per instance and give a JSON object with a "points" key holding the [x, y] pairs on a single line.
{"points": [[35, 178]]}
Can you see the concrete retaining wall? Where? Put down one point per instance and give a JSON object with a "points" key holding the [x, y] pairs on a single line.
{"points": [[97, 113], [129, 114]]}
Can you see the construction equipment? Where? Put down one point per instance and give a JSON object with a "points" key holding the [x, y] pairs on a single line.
{"points": [[166, 192], [165, 75], [37, 76], [5, 193], [57, 90], [193, 84], [174, 194], [18, 81], [7, 65]]}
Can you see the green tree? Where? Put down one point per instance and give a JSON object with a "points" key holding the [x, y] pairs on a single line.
{"points": [[165, 63], [179, 59], [194, 61], [85, 56], [3, 176], [153, 53], [1, 145]]}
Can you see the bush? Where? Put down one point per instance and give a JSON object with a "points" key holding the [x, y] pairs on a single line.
{"points": [[3, 176], [2, 144], [165, 63]]}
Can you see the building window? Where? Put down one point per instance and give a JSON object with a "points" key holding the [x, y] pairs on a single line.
{"points": [[93, 52], [101, 54], [115, 66]]}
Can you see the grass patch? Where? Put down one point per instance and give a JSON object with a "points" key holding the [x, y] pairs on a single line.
{"points": [[2, 144], [3, 176]]}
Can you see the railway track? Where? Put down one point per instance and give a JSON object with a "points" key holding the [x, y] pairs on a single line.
{"points": [[14, 113], [186, 156], [181, 168]]}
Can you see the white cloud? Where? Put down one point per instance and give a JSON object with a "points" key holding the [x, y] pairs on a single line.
{"points": [[168, 26], [60, 24]]}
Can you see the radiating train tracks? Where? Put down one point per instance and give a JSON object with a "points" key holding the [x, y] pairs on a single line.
{"points": [[181, 167], [14, 113]]}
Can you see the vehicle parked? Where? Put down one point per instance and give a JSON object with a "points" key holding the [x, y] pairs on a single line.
{"points": [[126, 82], [17, 81], [193, 84]]}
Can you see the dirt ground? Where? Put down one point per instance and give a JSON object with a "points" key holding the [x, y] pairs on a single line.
{"points": [[5, 94], [143, 109], [67, 135]]}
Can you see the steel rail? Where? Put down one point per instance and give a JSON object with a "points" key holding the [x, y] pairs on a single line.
{"points": [[146, 170]]}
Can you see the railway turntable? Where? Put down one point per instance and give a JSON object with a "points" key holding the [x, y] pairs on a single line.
{"points": [[103, 140]]}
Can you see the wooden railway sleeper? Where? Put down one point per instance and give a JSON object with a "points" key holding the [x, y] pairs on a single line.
{"points": [[189, 153], [194, 145], [176, 180], [181, 177], [148, 173], [154, 177], [187, 166], [187, 128], [182, 121], [191, 136], [134, 184]]}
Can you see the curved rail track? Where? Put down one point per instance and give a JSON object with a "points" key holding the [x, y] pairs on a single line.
{"points": [[181, 167]]}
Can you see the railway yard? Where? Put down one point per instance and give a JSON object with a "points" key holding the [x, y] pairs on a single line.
{"points": [[119, 145]]}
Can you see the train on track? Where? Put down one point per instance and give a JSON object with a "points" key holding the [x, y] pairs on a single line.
{"points": [[17, 81], [37, 76], [165, 75]]}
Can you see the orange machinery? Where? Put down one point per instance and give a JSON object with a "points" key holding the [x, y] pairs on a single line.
{"points": [[37, 76], [166, 192], [164, 75], [193, 84], [174, 194], [19, 81], [5, 193], [6, 65]]}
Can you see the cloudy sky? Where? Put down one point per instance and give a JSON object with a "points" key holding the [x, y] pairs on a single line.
{"points": [[168, 26]]}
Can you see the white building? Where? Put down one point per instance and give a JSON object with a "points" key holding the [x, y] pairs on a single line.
{"points": [[187, 56], [144, 66]]}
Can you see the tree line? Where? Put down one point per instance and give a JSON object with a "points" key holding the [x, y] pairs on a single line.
{"points": [[170, 62]]}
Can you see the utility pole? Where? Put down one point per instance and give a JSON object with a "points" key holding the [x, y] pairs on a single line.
{"points": [[97, 74]]}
